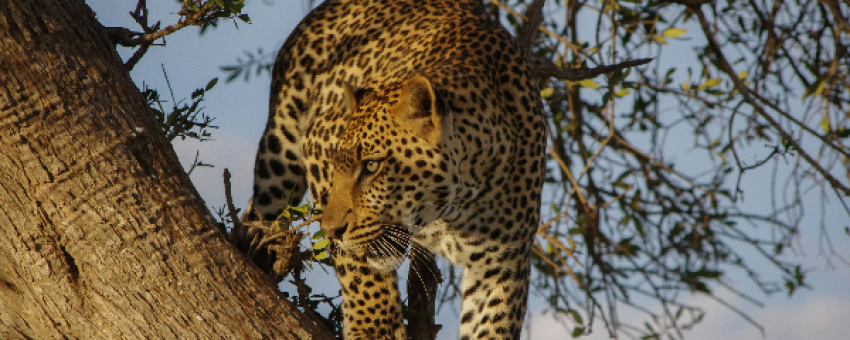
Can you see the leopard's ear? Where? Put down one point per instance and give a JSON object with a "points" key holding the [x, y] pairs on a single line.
{"points": [[421, 109]]}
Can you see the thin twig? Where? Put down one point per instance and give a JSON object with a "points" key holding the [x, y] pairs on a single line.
{"points": [[569, 175], [238, 228], [302, 291]]}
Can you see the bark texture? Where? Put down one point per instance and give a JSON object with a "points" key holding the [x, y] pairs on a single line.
{"points": [[102, 236]]}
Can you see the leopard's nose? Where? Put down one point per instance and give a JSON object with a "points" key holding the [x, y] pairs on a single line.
{"points": [[335, 233]]}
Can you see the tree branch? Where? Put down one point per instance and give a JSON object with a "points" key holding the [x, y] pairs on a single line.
{"points": [[547, 69], [691, 3], [748, 97], [532, 24]]}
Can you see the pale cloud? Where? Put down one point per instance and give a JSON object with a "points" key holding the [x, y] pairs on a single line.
{"points": [[816, 316]]}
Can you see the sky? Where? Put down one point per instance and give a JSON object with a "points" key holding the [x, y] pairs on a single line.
{"points": [[240, 108]]}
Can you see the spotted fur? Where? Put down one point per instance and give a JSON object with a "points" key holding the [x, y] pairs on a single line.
{"points": [[417, 125]]}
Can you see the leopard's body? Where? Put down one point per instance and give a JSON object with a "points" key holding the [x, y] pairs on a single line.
{"points": [[439, 142]]}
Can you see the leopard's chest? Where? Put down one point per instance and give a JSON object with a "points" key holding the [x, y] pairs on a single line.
{"points": [[467, 243]]}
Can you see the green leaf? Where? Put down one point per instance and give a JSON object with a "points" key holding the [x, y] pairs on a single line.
{"points": [[669, 73], [321, 256], [319, 234], [211, 84], [824, 123], [673, 32], [639, 226], [197, 93], [577, 332]]}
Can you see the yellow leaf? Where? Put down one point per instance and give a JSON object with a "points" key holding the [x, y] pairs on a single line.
{"points": [[660, 39], [589, 83], [824, 123], [711, 82], [743, 74], [321, 256], [673, 32], [621, 92], [572, 243], [321, 244], [547, 92], [819, 90], [610, 5], [687, 86]]}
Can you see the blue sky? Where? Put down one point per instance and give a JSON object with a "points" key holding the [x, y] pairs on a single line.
{"points": [[240, 108]]}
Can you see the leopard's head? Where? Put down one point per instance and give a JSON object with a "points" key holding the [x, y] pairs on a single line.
{"points": [[391, 176]]}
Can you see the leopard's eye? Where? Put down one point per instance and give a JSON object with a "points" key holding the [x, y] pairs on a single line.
{"points": [[371, 167]]}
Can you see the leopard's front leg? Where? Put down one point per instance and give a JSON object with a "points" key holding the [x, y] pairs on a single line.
{"points": [[371, 305], [495, 294]]}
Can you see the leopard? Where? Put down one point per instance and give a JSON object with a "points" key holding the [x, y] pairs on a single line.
{"points": [[415, 125]]}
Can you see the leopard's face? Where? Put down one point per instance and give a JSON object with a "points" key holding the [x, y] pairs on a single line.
{"points": [[390, 176]]}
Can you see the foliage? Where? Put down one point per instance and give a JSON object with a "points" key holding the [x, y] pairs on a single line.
{"points": [[183, 120], [202, 13], [315, 253], [765, 84], [261, 62]]}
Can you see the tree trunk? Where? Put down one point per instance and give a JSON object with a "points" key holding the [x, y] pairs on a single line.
{"points": [[101, 233]]}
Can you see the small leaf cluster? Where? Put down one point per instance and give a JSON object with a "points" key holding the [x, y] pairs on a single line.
{"points": [[260, 61], [206, 13], [181, 119], [317, 253]]}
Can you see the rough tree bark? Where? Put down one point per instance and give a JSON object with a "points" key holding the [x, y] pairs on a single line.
{"points": [[101, 233]]}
